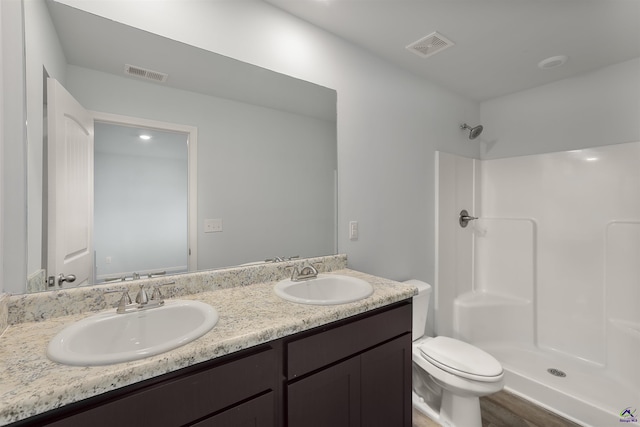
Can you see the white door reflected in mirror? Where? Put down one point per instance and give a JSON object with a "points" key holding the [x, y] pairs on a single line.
{"points": [[70, 188]]}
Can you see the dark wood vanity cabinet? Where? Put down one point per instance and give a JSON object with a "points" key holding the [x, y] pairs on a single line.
{"points": [[373, 389], [353, 372]]}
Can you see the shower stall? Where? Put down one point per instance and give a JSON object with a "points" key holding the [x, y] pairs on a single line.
{"points": [[547, 278]]}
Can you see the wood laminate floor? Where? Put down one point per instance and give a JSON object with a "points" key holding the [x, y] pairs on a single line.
{"points": [[504, 409]]}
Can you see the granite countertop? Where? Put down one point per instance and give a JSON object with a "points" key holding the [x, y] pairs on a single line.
{"points": [[31, 384]]}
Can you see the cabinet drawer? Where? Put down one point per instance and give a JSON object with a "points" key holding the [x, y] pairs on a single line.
{"points": [[333, 343], [183, 400]]}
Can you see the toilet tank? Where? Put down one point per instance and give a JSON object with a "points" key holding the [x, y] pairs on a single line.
{"points": [[420, 307]]}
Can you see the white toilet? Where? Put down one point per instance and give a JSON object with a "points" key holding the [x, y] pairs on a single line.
{"points": [[449, 375]]}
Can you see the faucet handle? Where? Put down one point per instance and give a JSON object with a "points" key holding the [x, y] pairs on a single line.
{"points": [[294, 272], [142, 298], [157, 295], [124, 301]]}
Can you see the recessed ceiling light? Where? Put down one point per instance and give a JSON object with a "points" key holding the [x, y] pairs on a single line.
{"points": [[553, 62], [145, 137]]}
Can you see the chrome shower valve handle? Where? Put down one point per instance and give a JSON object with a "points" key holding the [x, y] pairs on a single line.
{"points": [[465, 218]]}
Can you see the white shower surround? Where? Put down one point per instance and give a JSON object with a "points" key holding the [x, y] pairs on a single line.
{"points": [[548, 276]]}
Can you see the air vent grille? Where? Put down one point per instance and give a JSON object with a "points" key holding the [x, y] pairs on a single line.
{"points": [[430, 45], [143, 73]]}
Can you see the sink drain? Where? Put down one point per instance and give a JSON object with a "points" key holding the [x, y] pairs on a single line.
{"points": [[556, 372]]}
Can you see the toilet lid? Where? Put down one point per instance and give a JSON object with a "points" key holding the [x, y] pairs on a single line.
{"points": [[460, 358]]}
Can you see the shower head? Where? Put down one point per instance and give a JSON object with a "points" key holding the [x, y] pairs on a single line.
{"points": [[474, 132]]}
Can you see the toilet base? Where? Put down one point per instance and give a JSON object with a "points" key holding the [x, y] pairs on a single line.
{"points": [[454, 411], [422, 407], [460, 411]]}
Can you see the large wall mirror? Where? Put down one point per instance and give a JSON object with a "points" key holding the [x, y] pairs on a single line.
{"points": [[261, 183]]}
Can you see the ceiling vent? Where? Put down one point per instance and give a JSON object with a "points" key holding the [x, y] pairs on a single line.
{"points": [[430, 45], [143, 73]]}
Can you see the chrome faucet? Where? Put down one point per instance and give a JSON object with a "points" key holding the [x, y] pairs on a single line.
{"points": [[142, 301], [308, 272]]}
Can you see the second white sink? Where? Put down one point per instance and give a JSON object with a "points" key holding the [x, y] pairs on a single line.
{"points": [[107, 338], [326, 289]]}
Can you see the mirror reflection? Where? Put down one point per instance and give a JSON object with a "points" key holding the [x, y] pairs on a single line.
{"points": [[264, 177], [140, 187]]}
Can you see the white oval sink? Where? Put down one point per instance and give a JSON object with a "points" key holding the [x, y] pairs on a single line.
{"points": [[326, 289], [108, 338]]}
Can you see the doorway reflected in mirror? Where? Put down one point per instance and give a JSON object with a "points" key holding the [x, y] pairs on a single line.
{"points": [[141, 202]]}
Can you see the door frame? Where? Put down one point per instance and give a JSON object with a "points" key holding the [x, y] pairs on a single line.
{"points": [[192, 148]]}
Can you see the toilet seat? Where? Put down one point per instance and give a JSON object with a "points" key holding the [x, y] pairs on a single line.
{"points": [[461, 359]]}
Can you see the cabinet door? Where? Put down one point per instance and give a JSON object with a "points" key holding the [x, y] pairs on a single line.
{"points": [[258, 412], [330, 397], [386, 384]]}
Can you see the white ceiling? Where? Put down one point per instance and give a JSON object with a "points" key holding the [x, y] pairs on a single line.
{"points": [[498, 42]]}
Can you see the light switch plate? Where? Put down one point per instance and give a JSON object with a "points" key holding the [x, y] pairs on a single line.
{"points": [[353, 230], [212, 225]]}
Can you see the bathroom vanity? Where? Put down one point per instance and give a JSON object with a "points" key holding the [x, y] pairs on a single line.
{"points": [[268, 362], [354, 372]]}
